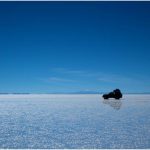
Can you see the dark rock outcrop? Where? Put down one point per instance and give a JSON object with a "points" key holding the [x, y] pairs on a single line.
{"points": [[115, 94]]}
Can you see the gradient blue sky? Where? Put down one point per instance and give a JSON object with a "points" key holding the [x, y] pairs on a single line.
{"points": [[74, 46]]}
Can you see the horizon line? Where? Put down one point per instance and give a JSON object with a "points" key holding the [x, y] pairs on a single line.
{"points": [[19, 93]]}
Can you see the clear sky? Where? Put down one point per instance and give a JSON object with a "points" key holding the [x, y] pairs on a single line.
{"points": [[74, 46]]}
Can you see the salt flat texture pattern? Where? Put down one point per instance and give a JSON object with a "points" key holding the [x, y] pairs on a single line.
{"points": [[74, 121]]}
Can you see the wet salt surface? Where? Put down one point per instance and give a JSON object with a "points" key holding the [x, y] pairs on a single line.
{"points": [[74, 121]]}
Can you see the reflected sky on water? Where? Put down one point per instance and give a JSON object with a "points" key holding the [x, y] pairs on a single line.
{"points": [[116, 104], [74, 121]]}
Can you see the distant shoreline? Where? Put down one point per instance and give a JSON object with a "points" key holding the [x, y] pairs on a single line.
{"points": [[60, 93]]}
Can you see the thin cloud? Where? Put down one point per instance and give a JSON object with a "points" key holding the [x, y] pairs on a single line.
{"points": [[111, 78], [121, 80], [68, 71], [105, 79], [78, 73], [95, 78], [56, 79]]}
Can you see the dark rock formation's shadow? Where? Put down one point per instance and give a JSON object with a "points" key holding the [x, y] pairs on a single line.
{"points": [[116, 104]]}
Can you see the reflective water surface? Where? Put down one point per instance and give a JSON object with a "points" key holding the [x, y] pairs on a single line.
{"points": [[74, 121]]}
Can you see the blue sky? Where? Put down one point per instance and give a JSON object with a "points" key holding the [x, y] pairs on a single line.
{"points": [[50, 47]]}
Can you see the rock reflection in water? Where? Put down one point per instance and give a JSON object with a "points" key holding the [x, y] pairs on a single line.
{"points": [[116, 104]]}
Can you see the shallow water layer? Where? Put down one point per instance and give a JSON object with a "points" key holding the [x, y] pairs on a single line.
{"points": [[74, 121]]}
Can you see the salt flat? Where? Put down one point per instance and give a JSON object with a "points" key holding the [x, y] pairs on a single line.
{"points": [[74, 121]]}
